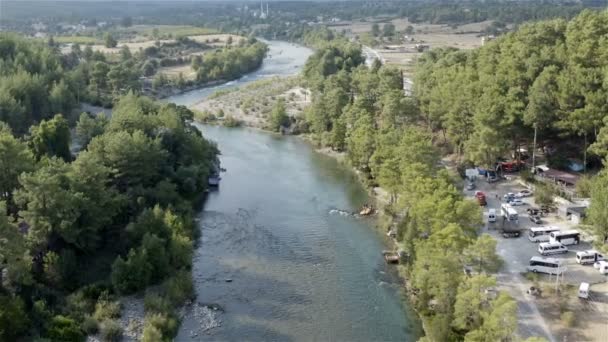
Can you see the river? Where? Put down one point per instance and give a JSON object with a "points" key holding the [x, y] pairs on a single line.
{"points": [[275, 254]]}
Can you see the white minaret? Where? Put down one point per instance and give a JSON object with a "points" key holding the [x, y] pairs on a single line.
{"points": [[267, 10]]}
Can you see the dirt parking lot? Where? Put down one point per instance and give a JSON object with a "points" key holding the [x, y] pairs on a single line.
{"points": [[537, 316]]}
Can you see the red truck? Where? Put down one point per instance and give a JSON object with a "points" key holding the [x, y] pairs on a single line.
{"points": [[481, 198]]}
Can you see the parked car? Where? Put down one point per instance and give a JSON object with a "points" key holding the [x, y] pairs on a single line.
{"points": [[508, 196], [510, 233], [516, 201], [536, 219], [523, 193], [470, 186], [533, 211]]}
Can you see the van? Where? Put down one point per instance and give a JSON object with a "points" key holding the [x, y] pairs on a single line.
{"points": [[583, 291], [588, 257], [602, 266], [548, 248], [492, 215]]}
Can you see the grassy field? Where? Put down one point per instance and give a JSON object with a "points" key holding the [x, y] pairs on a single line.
{"points": [[77, 39], [174, 31]]}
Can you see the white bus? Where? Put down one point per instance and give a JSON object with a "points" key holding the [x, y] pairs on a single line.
{"points": [[548, 248], [569, 237], [508, 212], [545, 265], [588, 257], [541, 234]]}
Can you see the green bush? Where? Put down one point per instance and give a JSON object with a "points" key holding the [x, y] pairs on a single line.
{"points": [[230, 121], [166, 324], [90, 325], [179, 287], [153, 302], [132, 274], [568, 319], [63, 328], [106, 309], [111, 331], [151, 334], [527, 176], [13, 318], [155, 248]]}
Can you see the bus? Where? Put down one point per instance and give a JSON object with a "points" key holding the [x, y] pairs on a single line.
{"points": [[569, 237], [508, 212], [545, 265], [588, 257], [541, 234]]}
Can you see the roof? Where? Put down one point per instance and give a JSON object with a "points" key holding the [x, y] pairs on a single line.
{"points": [[553, 260], [580, 211], [565, 177]]}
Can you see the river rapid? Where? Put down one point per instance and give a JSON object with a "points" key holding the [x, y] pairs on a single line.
{"points": [[279, 257]]}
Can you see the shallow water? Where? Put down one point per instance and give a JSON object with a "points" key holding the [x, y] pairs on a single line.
{"points": [[283, 59], [278, 228]]}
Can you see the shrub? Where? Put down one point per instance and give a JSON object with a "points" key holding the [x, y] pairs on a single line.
{"points": [[63, 328], [544, 194], [151, 334], [90, 325], [106, 309], [111, 331], [78, 305], [180, 251], [13, 318], [583, 186], [131, 274], [167, 325], [527, 176], [155, 248], [568, 319], [153, 302], [179, 288], [230, 121]]}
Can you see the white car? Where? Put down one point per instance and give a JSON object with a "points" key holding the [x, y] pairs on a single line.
{"points": [[508, 196], [523, 193], [516, 202]]}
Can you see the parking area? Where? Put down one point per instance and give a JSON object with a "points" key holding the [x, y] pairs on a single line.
{"points": [[534, 319], [516, 252]]}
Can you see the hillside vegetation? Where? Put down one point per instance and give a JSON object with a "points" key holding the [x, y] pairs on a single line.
{"points": [[76, 231]]}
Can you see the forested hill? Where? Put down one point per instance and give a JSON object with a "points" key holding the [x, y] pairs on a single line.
{"points": [[550, 75], [78, 231], [480, 104]]}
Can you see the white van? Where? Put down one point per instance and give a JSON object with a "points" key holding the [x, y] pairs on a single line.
{"points": [[548, 248], [588, 257], [545, 265], [601, 266], [492, 215], [583, 291]]}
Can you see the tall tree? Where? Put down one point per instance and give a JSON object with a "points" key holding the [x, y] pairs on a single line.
{"points": [[51, 138]]}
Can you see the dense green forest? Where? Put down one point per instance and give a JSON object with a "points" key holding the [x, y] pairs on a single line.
{"points": [[547, 77], [78, 230], [363, 111], [482, 104]]}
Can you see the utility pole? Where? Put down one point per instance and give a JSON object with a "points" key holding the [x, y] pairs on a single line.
{"points": [[534, 149]]}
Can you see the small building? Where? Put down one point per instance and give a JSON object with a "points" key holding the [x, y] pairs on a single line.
{"points": [[576, 214], [556, 176]]}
